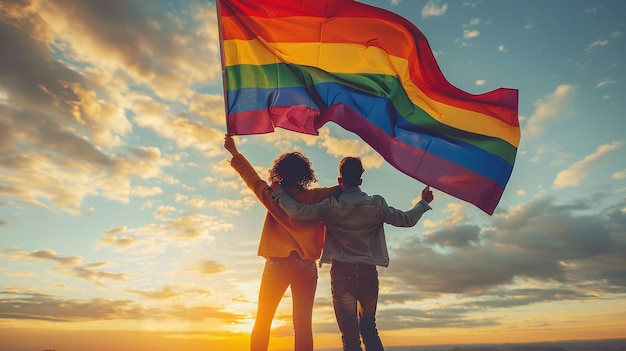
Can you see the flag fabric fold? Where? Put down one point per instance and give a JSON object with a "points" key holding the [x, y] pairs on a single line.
{"points": [[299, 64]]}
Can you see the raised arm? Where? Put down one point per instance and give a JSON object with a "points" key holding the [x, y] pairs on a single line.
{"points": [[297, 210], [409, 218]]}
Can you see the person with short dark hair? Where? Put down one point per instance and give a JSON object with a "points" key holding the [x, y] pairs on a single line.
{"points": [[290, 247], [355, 244]]}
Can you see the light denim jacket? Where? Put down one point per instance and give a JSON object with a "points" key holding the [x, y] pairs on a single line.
{"points": [[354, 223]]}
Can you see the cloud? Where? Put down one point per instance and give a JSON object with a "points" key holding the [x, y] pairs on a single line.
{"points": [[140, 39], [48, 255], [24, 305], [68, 68], [117, 238], [208, 267], [441, 317], [597, 43], [72, 265], [603, 42], [168, 292], [581, 169], [540, 241], [593, 9], [431, 9], [180, 128], [164, 210], [469, 34], [173, 229], [89, 272], [473, 22], [225, 206], [619, 175], [340, 148], [286, 141], [549, 108], [209, 107], [605, 82]]}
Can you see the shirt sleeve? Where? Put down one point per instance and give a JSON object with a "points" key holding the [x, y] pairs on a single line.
{"points": [[299, 211], [399, 218], [259, 187]]}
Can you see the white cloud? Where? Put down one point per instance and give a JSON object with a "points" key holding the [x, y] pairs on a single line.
{"points": [[224, 206], [91, 35], [350, 147], [431, 9], [209, 107], [603, 42], [551, 107], [163, 210], [604, 82], [539, 152], [581, 169], [180, 197], [619, 175], [184, 131], [597, 43], [468, 34]]}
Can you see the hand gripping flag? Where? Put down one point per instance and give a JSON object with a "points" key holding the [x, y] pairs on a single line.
{"points": [[297, 64]]}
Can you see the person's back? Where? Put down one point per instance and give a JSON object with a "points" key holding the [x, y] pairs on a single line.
{"points": [[354, 227]]}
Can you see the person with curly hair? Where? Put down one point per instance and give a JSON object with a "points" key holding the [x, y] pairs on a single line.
{"points": [[290, 247]]}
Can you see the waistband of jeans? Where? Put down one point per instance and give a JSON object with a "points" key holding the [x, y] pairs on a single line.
{"points": [[353, 267]]}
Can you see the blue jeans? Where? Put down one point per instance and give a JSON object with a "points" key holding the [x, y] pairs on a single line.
{"points": [[278, 274], [355, 296]]}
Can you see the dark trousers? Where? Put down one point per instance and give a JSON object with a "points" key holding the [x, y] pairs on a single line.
{"points": [[355, 296], [279, 273]]}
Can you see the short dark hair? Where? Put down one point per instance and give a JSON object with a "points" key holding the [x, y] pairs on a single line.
{"points": [[351, 169], [291, 169]]}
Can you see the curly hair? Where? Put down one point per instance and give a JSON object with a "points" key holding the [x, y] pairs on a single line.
{"points": [[291, 169]]}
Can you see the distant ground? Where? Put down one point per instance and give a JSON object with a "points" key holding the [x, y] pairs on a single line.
{"points": [[573, 345]]}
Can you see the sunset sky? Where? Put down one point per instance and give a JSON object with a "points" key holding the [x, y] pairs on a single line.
{"points": [[122, 225]]}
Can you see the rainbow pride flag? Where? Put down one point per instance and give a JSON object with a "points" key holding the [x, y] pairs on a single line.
{"points": [[297, 64]]}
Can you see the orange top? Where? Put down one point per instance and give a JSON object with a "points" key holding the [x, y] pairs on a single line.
{"points": [[281, 235]]}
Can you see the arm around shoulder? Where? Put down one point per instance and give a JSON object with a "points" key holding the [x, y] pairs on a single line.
{"points": [[295, 209]]}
